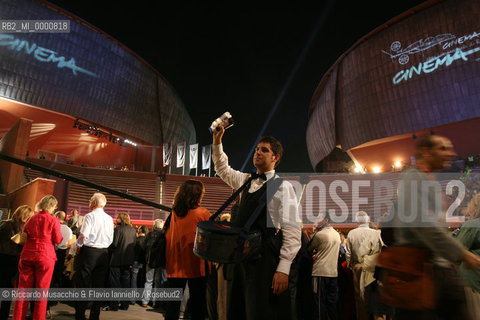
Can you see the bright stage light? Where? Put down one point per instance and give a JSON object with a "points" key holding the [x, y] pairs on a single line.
{"points": [[358, 169]]}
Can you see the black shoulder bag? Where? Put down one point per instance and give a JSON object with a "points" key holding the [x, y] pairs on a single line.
{"points": [[224, 242]]}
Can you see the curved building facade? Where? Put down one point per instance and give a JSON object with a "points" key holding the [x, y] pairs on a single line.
{"points": [[418, 73], [85, 74]]}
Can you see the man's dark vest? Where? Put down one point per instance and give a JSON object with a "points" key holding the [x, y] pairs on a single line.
{"points": [[247, 205]]}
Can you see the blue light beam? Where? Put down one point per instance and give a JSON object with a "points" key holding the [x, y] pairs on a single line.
{"points": [[294, 71]]}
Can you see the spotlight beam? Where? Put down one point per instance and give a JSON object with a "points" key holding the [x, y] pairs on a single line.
{"points": [[294, 71]]}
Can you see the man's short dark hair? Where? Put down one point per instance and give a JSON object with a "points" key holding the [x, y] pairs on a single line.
{"points": [[326, 215], [275, 145], [425, 142]]}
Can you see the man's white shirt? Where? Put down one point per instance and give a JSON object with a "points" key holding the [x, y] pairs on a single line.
{"points": [[97, 230], [66, 234], [283, 209]]}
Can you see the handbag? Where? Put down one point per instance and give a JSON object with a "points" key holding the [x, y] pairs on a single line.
{"points": [[20, 238], [406, 279], [225, 242], [157, 250]]}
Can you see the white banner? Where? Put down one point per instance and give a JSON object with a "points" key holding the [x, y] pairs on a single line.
{"points": [[193, 156], [206, 156], [180, 154], [167, 154]]}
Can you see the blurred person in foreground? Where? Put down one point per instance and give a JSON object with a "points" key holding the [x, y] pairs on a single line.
{"points": [[183, 267], [469, 236], [420, 222], [10, 252], [122, 255], [92, 259], [37, 260], [260, 286]]}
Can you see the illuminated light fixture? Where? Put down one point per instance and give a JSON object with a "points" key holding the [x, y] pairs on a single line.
{"points": [[358, 169], [398, 164], [130, 142], [99, 133], [376, 169]]}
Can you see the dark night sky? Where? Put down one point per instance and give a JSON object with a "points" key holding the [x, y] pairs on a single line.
{"points": [[237, 57]]}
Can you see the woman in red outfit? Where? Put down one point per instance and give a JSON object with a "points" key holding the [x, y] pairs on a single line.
{"points": [[38, 257], [182, 265]]}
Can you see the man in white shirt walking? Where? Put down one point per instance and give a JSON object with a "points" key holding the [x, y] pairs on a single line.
{"points": [[326, 243], [91, 268], [260, 287]]}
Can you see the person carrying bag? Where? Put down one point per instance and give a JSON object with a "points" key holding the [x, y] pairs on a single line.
{"points": [[225, 242]]}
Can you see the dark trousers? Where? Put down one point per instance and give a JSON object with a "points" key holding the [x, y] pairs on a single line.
{"points": [[8, 275], [91, 266], [250, 293], [57, 279], [449, 299], [212, 294], [120, 278], [326, 298], [197, 303]]}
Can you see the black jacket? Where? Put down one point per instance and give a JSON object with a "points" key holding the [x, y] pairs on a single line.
{"points": [[140, 249], [8, 229], [122, 249], [149, 240]]}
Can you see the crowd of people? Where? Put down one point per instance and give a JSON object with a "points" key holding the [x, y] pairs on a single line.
{"points": [[319, 274]]}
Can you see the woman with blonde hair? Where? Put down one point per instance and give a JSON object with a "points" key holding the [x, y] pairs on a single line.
{"points": [[10, 252], [182, 265], [38, 257]]}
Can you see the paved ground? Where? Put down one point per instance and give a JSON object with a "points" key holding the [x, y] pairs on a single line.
{"points": [[135, 312]]}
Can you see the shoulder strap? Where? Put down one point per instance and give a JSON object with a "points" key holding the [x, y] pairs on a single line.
{"points": [[274, 184], [232, 197], [167, 223]]}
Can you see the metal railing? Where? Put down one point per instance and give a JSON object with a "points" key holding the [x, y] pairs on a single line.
{"points": [[86, 183]]}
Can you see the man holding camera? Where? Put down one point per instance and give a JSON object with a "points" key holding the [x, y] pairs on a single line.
{"points": [[260, 287]]}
